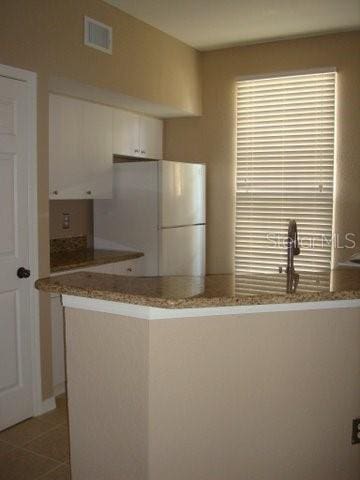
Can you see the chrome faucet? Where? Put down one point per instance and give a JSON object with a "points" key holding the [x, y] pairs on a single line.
{"points": [[293, 249]]}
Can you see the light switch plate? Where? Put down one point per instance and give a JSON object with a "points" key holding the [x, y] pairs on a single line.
{"points": [[66, 221]]}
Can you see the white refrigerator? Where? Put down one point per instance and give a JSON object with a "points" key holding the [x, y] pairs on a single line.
{"points": [[158, 207]]}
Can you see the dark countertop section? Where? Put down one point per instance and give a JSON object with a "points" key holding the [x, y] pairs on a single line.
{"points": [[209, 291], [88, 257]]}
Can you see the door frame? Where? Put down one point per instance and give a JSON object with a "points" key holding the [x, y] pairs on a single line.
{"points": [[30, 78]]}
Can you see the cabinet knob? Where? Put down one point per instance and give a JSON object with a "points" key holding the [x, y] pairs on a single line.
{"points": [[129, 269], [55, 192], [88, 192], [143, 151], [136, 150]]}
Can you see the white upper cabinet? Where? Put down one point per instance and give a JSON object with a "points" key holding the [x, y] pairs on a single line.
{"points": [[97, 149], [126, 132], [136, 135], [65, 166], [83, 137], [80, 149], [151, 138]]}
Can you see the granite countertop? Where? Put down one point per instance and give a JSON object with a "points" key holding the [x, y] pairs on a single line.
{"points": [[209, 291], [61, 261]]}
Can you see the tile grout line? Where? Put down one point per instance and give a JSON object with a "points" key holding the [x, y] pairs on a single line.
{"points": [[52, 470], [42, 455], [25, 449], [9, 445], [53, 427]]}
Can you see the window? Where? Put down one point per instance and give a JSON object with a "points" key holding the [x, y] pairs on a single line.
{"points": [[284, 170]]}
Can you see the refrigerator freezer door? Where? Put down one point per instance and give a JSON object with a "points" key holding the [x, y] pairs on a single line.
{"points": [[182, 193], [182, 250]]}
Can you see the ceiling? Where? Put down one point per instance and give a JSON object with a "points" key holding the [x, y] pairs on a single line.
{"points": [[209, 24]]}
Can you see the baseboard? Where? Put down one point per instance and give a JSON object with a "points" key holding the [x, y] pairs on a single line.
{"points": [[46, 406], [59, 389], [50, 403]]}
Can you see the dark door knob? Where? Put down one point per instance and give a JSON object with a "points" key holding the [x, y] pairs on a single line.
{"points": [[23, 273]]}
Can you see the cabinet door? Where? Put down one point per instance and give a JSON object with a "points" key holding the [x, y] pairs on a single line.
{"points": [[66, 172], [107, 268], [125, 133], [97, 150], [80, 153], [151, 138], [129, 267]]}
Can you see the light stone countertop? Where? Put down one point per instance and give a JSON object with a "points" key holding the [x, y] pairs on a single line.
{"points": [[208, 291]]}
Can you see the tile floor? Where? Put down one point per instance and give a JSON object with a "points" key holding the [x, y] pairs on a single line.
{"points": [[37, 448]]}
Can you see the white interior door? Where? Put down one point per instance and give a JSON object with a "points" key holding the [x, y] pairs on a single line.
{"points": [[16, 399]]}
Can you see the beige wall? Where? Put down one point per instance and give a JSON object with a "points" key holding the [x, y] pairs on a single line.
{"points": [[107, 375], [210, 138], [81, 218], [266, 396], [47, 37]]}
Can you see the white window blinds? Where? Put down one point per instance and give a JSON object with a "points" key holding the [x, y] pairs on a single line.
{"points": [[284, 170]]}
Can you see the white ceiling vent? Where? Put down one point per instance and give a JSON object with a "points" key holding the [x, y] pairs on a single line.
{"points": [[97, 35]]}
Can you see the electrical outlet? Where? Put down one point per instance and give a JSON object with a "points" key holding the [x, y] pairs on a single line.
{"points": [[355, 438], [66, 221]]}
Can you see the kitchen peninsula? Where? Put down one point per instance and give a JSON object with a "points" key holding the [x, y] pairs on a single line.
{"points": [[186, 377]]}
